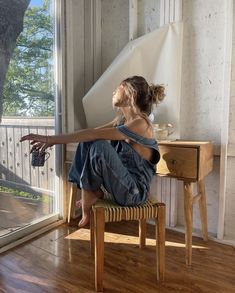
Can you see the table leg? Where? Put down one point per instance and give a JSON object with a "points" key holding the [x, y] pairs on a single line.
{"points": [[203, 209], [72, 201], [188, 215]]}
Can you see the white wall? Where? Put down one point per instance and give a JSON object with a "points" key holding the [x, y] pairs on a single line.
{"points": [[115, 29], [148, 16], [115, 25], [202, 72], [202, 89]]}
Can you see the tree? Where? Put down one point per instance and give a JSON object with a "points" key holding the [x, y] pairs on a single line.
{"points": [[11, 17], [28, 88]]}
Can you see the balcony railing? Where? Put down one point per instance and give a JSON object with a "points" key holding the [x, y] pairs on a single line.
{"points": [[15, 159]]}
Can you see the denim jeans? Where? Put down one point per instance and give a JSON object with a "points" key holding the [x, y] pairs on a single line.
{"points": [[97, 163]]}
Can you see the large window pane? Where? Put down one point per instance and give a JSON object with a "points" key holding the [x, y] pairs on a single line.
{"points": [[26, 192]]}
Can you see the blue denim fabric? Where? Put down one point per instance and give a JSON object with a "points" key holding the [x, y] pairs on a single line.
{"points": [[148, 142], [116, 166]]}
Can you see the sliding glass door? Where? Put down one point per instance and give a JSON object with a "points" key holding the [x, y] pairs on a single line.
{"points": [[28, 199]]}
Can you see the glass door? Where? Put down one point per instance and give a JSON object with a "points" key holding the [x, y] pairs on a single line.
{"points": [[27, 194]]}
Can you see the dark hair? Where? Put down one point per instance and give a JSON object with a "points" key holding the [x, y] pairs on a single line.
{"points": [[143, 96]]}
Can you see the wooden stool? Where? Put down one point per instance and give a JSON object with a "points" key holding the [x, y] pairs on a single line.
{"points": [[104, 211]]}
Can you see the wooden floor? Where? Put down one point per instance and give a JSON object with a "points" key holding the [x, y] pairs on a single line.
{"points": [[59, 261], [17, 212]]}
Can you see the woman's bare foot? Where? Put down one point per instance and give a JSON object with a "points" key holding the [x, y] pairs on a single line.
{"points": [[88, 199], [99, 193]]}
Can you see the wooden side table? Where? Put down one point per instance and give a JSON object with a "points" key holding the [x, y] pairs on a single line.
{"points": [[189, 161]]}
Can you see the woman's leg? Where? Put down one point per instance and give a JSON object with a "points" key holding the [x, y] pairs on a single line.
{"points": [[77, 166], [88, 199], [104, 167], [78, 162]]}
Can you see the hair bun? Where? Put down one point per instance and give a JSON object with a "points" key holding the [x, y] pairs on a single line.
{"points": [[157, 93]]}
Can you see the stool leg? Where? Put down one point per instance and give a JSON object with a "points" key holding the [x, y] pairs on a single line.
{"points": [[160, 241], [202, 208], [188, 215], [142, 233], [72, 200], [99, 222]]}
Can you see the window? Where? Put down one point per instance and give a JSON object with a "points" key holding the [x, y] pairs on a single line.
{"points": [[28, 199]]}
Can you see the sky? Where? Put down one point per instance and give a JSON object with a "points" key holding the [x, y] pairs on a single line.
{"points": [[36, 2]]}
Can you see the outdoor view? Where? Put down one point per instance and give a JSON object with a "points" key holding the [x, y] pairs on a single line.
{"points": [[27, 105]]}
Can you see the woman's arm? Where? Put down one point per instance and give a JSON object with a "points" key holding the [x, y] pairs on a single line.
{"points": [[41, 142], [109, 133]]}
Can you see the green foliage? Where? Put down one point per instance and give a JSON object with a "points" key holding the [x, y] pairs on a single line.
{"points": [[16, 192], [29, 85]]}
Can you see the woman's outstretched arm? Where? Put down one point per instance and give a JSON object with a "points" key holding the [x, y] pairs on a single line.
{"points": [[41, 142]]}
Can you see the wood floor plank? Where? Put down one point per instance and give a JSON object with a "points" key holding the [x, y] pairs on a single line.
{"points": [[60, 261]]}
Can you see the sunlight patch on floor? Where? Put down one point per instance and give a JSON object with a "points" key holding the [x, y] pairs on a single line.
{"points": [[177, 244], [84, 234], [80, 234]]}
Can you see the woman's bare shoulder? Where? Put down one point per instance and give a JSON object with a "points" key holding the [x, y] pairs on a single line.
{"points": [[141, 127]]}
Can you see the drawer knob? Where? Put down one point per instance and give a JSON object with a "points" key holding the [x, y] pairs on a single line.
{"points": [[173, 162]]}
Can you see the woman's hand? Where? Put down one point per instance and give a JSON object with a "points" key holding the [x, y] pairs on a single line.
{"points": [[39, 142]]}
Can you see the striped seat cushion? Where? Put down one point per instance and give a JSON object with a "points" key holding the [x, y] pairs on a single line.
{"points": [[115, 213]]}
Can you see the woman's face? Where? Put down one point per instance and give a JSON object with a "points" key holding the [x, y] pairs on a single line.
{"points": [[120, 98]]}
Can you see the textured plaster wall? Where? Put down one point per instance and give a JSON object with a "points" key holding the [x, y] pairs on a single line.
{"points": [[148, 16], [202, 88], [115, 25], [202, 72], [115, 29]]}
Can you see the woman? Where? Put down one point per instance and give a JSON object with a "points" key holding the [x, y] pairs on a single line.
{"points": [[125, 165]]}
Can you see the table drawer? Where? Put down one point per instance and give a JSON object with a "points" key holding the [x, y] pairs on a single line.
{"points": [[180, 162]]}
